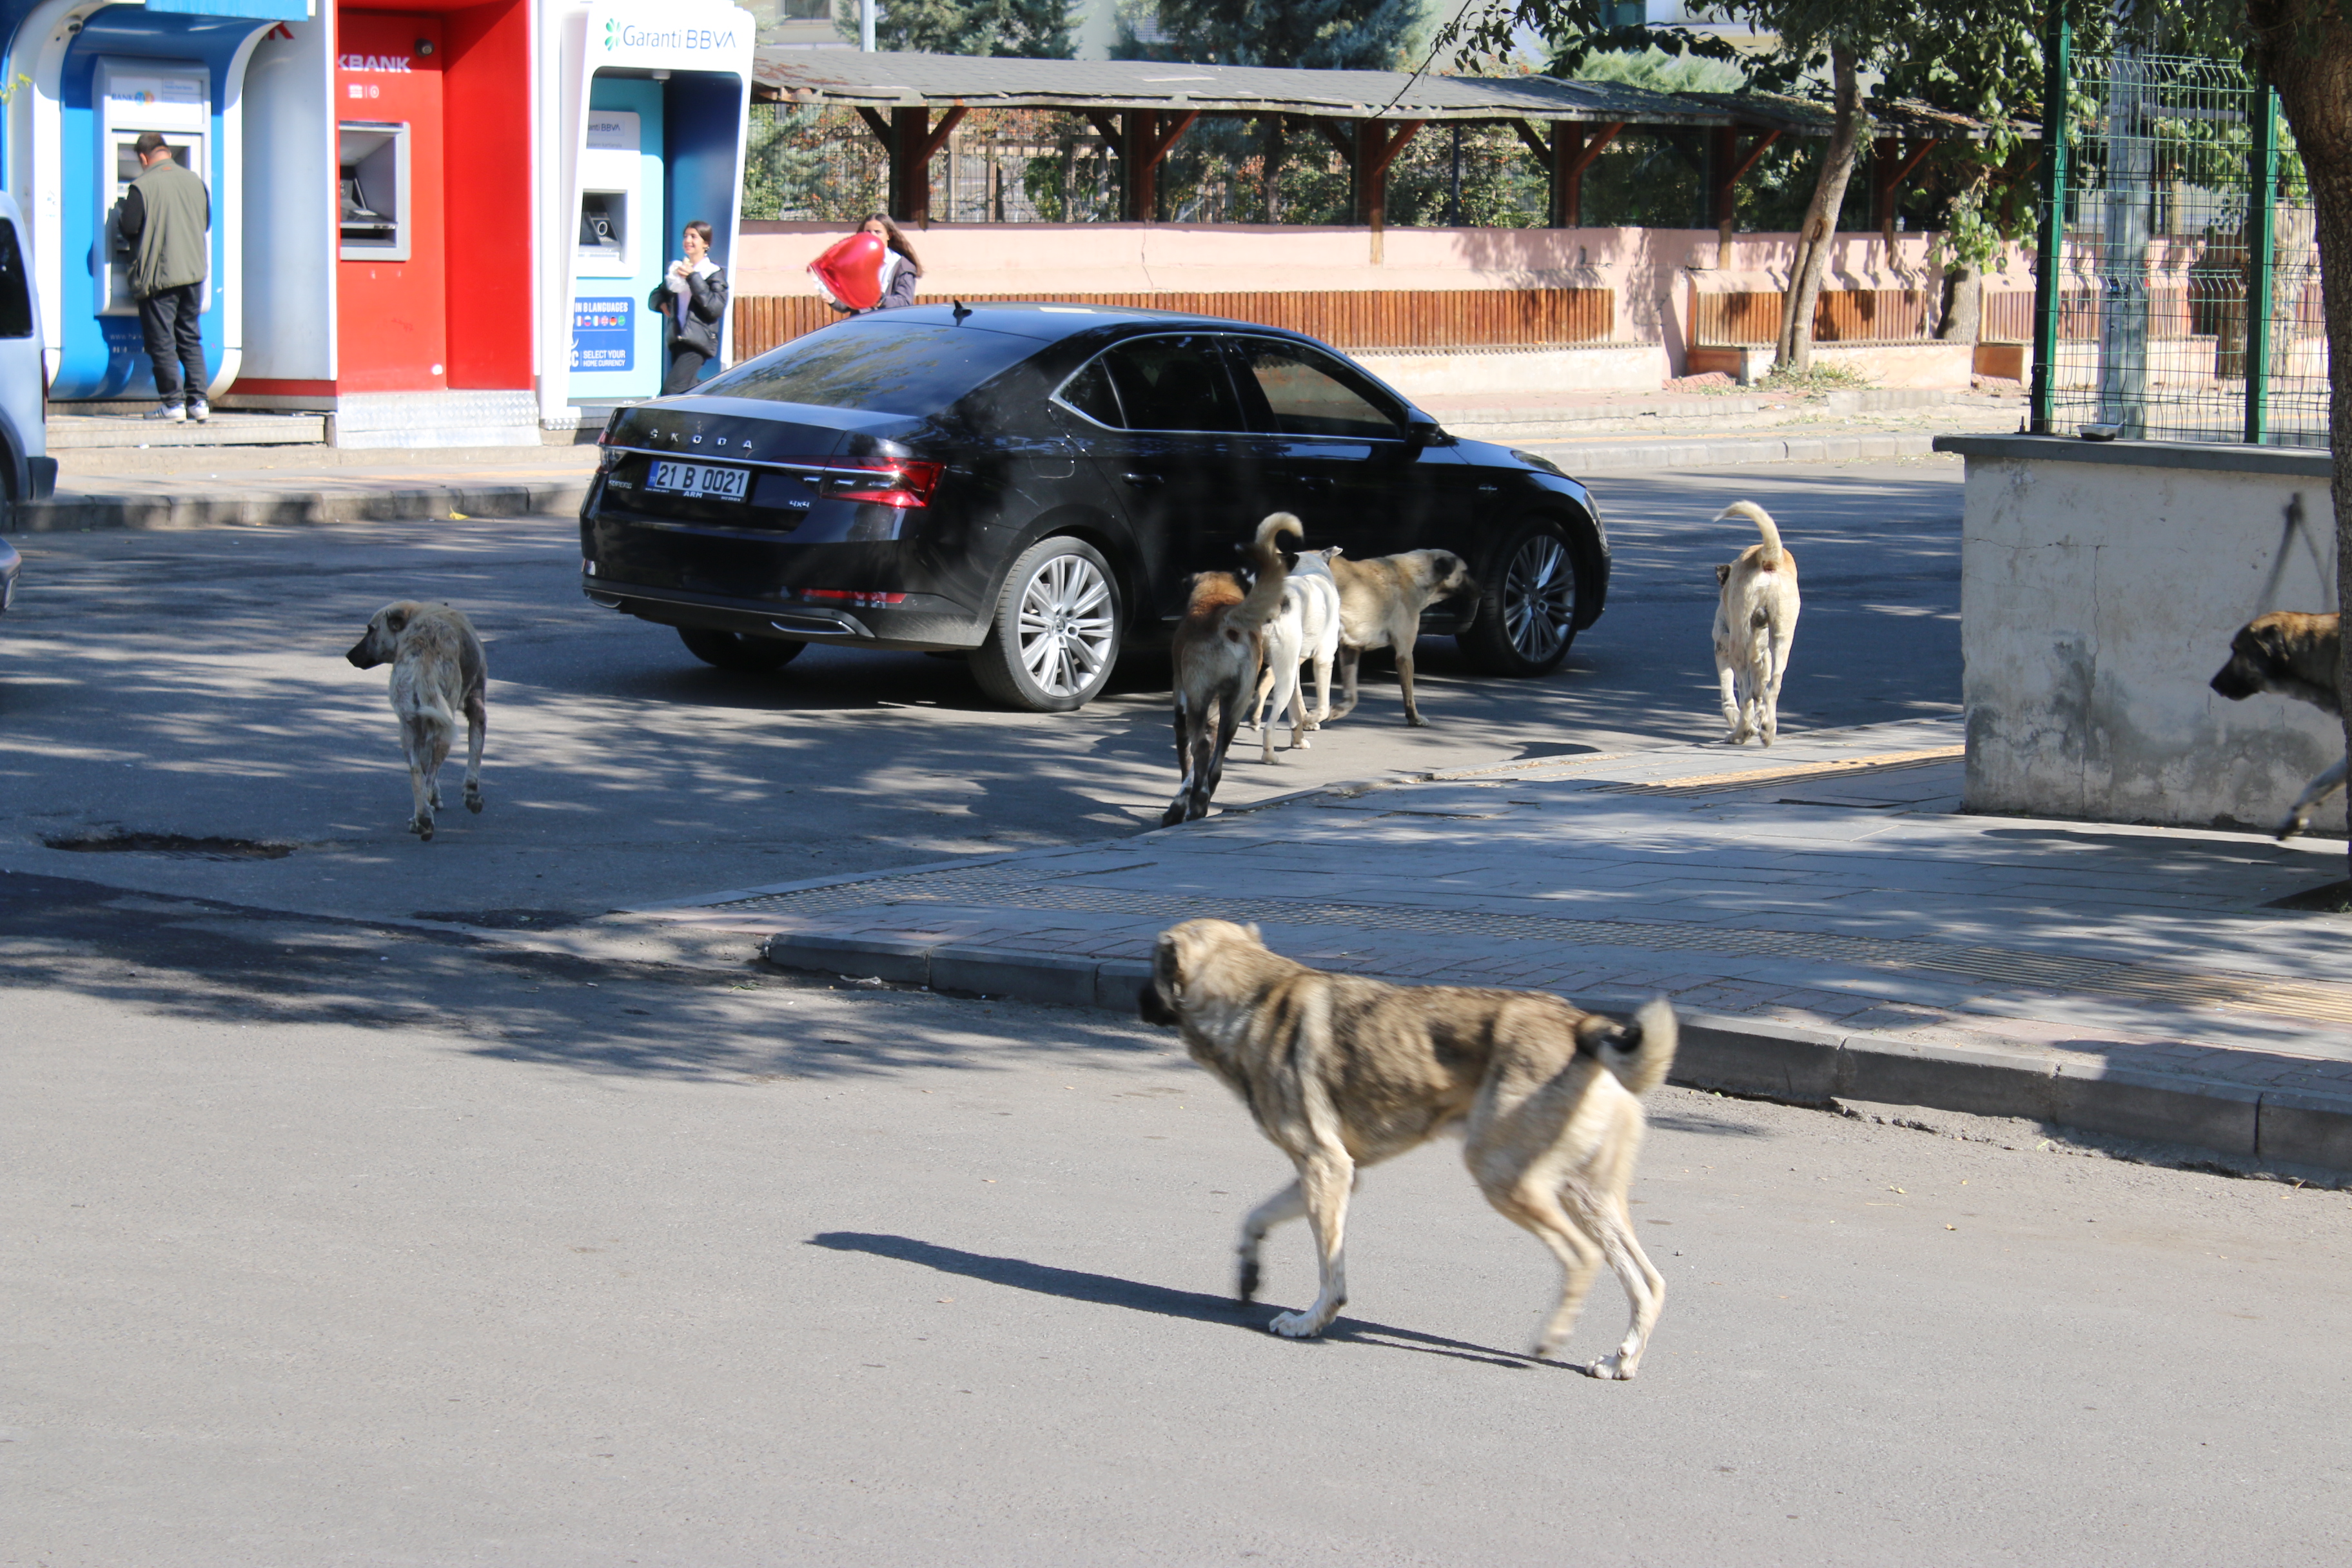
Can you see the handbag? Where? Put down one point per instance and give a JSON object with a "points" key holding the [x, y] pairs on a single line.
{"points": [[686, 329]]}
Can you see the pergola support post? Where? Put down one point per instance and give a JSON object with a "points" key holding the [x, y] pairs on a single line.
{"points": [[913, 142], [1376, 148], [1891, 164]]}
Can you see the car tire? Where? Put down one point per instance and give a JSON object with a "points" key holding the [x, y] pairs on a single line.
{"points": [[739, 652], [1526, 604], [1055, 635]]}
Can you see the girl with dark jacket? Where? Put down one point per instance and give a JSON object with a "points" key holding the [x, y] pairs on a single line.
{"points": [[694, 297]]}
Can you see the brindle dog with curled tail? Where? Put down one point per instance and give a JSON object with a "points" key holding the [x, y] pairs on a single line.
{"points": [[2298, 656]]}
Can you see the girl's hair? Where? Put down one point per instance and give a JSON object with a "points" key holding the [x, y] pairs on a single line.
{"points": [[897, 240], [702, 228]]}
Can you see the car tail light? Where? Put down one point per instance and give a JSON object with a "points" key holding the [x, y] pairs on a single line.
{"points": [[855, 598], [884, 481]]}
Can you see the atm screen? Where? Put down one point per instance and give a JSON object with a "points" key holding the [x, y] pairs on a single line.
{"points": [[604, 218]]}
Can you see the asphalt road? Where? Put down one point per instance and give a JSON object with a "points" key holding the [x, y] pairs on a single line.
{"points": [[192, 684], [323, 1243]]}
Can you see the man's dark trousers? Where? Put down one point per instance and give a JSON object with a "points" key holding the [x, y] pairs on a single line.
{"points": [[169, 317]]}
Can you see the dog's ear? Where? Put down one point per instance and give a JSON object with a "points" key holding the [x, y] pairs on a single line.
{"points": [[1722, 573], [1257, 935], [396, 619]]}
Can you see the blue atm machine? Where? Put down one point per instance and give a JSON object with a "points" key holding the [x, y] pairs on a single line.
{"points": [[664, 89], [129, 69]]}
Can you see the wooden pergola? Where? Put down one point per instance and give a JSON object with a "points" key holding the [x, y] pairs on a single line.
{"points": [[913, 103]]}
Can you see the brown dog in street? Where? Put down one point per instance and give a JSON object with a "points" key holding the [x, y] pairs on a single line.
{"points": [[1342, 1072], [1381, 602], [438, 672], [1216, 651], [2298, 656]]}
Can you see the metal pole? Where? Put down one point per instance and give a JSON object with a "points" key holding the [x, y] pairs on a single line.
{"points": [[2128, 195], [2057, 51], [865, 26], [2262, 252]]}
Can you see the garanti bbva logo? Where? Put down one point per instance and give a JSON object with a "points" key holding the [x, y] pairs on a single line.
{"points": [[619, 35]]}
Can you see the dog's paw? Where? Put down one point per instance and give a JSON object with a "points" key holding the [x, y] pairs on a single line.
{"points": [[1417, 721], [423, 828], [1246, 1286], [1295, 1326], [1612, 1369], [474, 801]]}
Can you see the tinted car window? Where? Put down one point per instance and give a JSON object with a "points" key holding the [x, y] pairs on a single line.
{"points": [[889, 369], [16, 295], [1306, 394], [1089, 392], [1173, 383]]}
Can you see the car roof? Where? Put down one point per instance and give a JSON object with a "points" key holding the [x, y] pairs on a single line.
{"points": [[1051, 320]]}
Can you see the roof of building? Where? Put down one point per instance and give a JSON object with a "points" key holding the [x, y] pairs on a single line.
{"points": [[888, 81]]}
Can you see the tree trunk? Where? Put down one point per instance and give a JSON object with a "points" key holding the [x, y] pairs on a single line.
{"points": [[2305, 47], [1813, 241], [1963, 304]]}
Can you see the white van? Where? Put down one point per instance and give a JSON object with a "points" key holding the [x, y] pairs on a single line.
{"points": [[26, 472]]}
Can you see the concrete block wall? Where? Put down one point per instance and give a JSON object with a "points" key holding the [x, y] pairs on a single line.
{"points": [[2100, 585]]}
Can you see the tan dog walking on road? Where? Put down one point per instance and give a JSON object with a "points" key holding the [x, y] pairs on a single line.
{"points": [[1381, 602], [1215, 651], [438, 672], [2298, 656], [1755, 626], [1342, 1072]]}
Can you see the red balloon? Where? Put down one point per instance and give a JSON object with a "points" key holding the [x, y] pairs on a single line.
{"points": [[855, 271]]}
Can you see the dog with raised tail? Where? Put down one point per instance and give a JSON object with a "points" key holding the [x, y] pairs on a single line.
{"points": [[1341, 1072], [2298, 656], [438, 672], [1216, 650], [1305, 631], [1755, 626]]}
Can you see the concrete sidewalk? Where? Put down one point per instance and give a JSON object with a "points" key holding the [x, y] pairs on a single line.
{"points": [[172, 480], [1828, 923]]}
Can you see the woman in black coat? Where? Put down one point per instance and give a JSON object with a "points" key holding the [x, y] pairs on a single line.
{"points": [[900, 291], [694, 298]]}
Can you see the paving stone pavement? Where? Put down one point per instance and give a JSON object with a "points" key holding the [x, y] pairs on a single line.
{"points": [[1829, 885]]}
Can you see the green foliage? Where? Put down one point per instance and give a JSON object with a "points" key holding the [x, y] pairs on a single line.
{"points": [[1653, 68], [1813, 378], [1310, 35], [1025, 29], [806, 163]]}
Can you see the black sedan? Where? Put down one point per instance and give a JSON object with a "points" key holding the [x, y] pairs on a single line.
{"points": [[1034, 485]]}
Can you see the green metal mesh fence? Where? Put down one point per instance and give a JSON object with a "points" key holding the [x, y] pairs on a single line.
{"points": [[2186, 302]]}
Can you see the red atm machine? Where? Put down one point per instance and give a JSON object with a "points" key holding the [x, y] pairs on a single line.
{"points": [[393, 248]]}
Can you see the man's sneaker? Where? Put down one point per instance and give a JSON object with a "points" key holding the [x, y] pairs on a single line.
{"points": [[199, 410], [170, 413]]}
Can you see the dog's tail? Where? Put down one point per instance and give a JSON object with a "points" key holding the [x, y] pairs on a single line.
{"points": [[1772, 557], [1263, 600], [1640, 1053]]}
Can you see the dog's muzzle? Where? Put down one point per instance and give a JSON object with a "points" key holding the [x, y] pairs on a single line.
{"points": [[360, 659], [1153, 1007]]}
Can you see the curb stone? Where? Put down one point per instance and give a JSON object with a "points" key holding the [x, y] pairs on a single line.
{"points": [[1779, 1061]]}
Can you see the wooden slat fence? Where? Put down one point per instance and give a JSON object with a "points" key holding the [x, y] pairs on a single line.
{"points": [[1353, 319], [1840, 316]]}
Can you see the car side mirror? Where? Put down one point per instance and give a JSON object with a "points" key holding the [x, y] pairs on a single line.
{"points": [[1421, 430]]}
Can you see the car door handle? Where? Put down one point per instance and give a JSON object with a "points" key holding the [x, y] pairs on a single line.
{"points": [[1145, 481]]}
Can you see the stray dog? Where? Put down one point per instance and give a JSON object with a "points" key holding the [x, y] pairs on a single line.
{"points": [[1306, 628], [1216, 652], [1381, 602], [438, 673], [1342, 1072], [2297, 655], [1755, 624]]}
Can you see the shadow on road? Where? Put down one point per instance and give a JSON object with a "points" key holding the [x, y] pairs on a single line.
{"points": [[1107, 1290]]}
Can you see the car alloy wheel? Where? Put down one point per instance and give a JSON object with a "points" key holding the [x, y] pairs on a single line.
{"points": [[1056, 633], [1527, 615]]}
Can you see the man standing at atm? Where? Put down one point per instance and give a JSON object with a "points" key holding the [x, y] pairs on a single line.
{"points": [[163, 224]]}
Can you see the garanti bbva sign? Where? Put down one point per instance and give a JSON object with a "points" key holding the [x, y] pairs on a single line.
{"points": [[681, 33]]}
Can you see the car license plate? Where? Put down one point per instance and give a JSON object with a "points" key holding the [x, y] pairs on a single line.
{"points": [[700, 481]]}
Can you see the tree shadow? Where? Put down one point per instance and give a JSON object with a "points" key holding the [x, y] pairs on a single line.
{"points": [[1160, 1300]]}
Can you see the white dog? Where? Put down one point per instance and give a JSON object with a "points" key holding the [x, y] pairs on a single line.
{"points": [[1306, 627], [1755, 626]]}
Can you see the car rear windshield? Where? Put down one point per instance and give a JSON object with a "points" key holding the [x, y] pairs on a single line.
{"points": [[875, 365]]}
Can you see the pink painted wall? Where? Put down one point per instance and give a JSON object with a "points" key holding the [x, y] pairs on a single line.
{"points": [[1654, 272]]}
